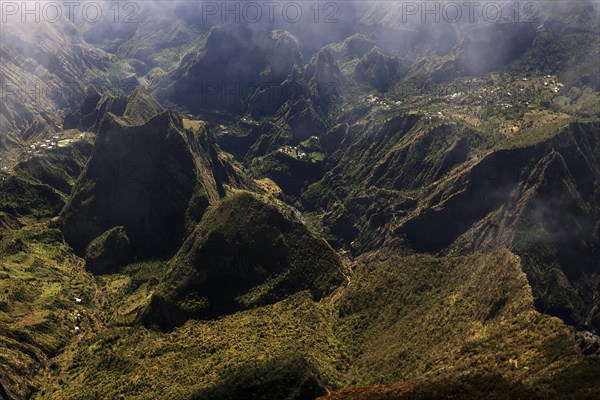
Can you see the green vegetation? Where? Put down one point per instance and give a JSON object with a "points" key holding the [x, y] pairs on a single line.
{"points": [[153, 179], [457, 312], [243, 253], [466, 321], [126, 293], [108, 252], [409, 212], [283, 351], [20, 196], [39, 281]]}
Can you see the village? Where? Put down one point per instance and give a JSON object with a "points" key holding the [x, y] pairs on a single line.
{"points": [[503, 102], [38, 148], [57, 140], [309, 150], [294, 152]]}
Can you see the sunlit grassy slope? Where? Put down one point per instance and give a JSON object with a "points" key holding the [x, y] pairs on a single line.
{"points": [[465, 322], [39, 281]]}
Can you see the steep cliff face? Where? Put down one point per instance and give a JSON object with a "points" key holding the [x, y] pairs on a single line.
{"points": [[552, 222], [404, 184], [377, 163], [244, 253], [324, 79], [471, 196], [360, 147], [424, 160], [542, 202], [554, 229], [153, 179]]}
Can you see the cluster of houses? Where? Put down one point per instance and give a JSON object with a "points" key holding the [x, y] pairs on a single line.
{"points": [[249, 121], [48, 144], [77, 315], [4, 168], [507, 95], [461, 99], [376, 101], [477, 91], [552, 82], [294, 152]]}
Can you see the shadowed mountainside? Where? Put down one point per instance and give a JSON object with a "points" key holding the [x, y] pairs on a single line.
{"points": [[386, 207], [154, 179]]}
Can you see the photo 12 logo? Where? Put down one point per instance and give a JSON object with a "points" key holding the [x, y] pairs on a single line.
{"points": [[65, 94], [73, 11], [469, 11], [219, 12], [39, 90]]}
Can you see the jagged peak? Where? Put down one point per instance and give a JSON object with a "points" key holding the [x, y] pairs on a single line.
{"points": [[109, 122]]}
